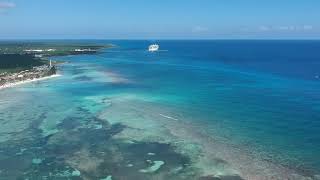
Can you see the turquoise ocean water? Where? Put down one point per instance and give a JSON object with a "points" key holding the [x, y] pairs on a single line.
{"points": [[241, 109]]}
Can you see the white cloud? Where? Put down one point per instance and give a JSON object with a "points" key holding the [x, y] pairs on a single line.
{"points": [[286, 28], [265, 28], [197, 29], [283, 28], [307, 27], [244, 29], [7, 5]]}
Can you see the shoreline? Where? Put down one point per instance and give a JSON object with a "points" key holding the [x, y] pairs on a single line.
{"points": [[10, 85]]}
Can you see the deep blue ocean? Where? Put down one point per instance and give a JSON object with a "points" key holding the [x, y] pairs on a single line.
{"points": [[265, 93], [259, 96]]}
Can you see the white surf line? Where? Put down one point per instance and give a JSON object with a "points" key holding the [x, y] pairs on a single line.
{"points": [[168, 117], [27, 81]]}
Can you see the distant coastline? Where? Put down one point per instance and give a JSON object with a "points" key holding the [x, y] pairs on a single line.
{"points": [[21, 63], [13, 84], [8, 79]]}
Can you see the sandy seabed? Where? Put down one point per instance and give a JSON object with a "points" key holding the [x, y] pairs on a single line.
{"points": [[210, 156]]}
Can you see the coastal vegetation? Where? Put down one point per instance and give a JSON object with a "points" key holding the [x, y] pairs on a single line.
{"points": [[25, 55], [19, 62], [49, 49], [30, 60], [9, 79]]}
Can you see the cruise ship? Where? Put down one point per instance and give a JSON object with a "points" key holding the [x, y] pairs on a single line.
{"points": [[153, 47]]}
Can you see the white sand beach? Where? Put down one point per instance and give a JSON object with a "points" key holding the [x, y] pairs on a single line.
{"points": [[28, 81]]}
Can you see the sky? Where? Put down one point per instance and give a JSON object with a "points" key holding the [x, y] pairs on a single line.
{"points": [[162, 19]]}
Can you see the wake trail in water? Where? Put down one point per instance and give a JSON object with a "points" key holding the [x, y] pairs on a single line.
{"points": [[169, 117]]}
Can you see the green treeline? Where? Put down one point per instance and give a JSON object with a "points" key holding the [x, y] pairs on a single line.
{"points": [[19, 61]]}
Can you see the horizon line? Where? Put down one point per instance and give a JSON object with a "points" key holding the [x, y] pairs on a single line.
{"points": [[164, 39]]}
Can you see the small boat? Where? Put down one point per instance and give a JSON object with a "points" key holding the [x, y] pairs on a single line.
{"points": [[153, 47]]}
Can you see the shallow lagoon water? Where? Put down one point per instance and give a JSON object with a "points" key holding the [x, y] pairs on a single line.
{"points": [[205, 109]]}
